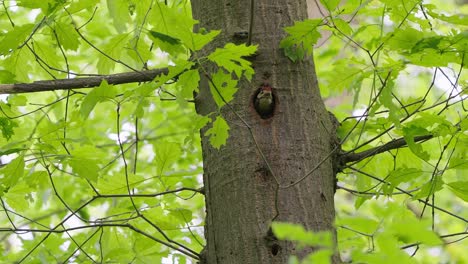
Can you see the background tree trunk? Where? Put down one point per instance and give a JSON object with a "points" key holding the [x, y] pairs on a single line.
{"points": [[240, 191]]}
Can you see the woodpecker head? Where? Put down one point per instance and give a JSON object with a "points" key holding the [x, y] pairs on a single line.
{"points": [[265, 92], [266, 88], [264, 101]]}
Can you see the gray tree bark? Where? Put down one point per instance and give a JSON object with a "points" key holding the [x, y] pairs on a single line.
{"points": [[242, 195]]}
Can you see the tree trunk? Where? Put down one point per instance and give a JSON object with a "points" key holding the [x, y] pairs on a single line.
{"points": [[242, 197]]}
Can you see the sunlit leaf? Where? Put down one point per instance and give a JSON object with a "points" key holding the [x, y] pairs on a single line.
{"points": [[119, 12], [12, 173], [99, 94], [232, 58], [295, 232], [399, 176], [67, 36], [459, 19], [460, 189], [165, 38], [431, 187], [85, 168], [218, 133], [330, 4], [167, 153], [222, 88], [188, 82], [301, 39], [15, 38], [7, 127]]}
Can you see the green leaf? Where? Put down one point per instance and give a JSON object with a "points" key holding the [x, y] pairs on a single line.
{"points": [[458, 163], [143, 90], [398, 176], [114, 49], [386, 98], [19, 196], [362, 183], [404, 38], [389, 253], [343, 26], [347, 74], [7, 125], [37, 179], [166, 222], [99, 94], [460, 189], [6, 77], [49, 55], [19, 64], [301, 39], [12, 173], [174, 20], [350, 6], [15, 37], [430, 188], [188, 83], [67, 36], [184, 215], [408, 229], [141, 105], [200, 40], [167, 153], [464, 123], [322, 256], [77, 6], [426, 124], [433, 58], [459, 42], [85, 168], [33, 4], [428, 43], [178, 69], [295, 232], [165, 38], [218, 133], [294, 260], [167, 43], [458, 19], [330, 4], [222, 88], [231, 58], [410, 133], [17, 100], [433, 124], [10, 151], [398, 11], [119, 12], [361, 224]]}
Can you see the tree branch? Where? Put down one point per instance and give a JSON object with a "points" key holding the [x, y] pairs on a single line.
{"points": [[398, 143], [77, 83]]}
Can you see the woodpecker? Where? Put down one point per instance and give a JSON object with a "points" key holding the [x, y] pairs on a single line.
{"points": [[265, 101]]}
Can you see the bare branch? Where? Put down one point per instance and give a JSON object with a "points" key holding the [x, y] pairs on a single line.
{"points": [[78, 83], [398, 143]]}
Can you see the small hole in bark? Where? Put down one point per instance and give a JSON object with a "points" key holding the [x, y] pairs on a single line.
{"points": [[275, 249], [262, 174], [264, 101]]}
